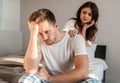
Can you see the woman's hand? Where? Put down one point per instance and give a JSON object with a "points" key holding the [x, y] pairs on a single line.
{"points": [[72, 33], [85, 27], [88, 25]]}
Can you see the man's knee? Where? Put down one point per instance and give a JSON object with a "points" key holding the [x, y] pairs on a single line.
{"points": [[26, 78]]}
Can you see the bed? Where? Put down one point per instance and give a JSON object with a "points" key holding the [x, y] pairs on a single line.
{"points": [[101, 53], [11, 67], [97, 63]]}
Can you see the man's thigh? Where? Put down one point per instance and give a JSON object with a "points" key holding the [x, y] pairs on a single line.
{"points": [[35, 78]]}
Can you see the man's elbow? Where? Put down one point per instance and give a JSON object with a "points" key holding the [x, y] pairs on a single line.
{"points": [[30, 71], [31, 65], [83, 75]]}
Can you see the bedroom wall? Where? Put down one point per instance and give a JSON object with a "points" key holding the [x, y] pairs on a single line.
{"points": [[10, 42], [10, 15], [0, 12], [10, 31], [108, 26]]}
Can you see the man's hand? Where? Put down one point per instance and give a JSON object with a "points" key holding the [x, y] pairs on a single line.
{"points": [[44, 74], [33, 26]]}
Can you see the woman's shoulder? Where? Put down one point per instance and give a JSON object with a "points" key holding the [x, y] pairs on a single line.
{"points": [[68, 25], [71, 21]]}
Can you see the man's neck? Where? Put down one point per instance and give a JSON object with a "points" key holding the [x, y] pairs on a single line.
{"points": [[60, 36]]}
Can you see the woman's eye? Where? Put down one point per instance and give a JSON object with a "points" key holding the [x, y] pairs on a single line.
{"points": [[90, 14], [84, 12]]}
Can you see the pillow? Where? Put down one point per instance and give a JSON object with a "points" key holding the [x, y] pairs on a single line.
{"points": [[11, 60], [91, 51], [96, 68]]}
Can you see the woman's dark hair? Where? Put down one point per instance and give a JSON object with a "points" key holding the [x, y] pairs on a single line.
{"points": [[42, 15], [90, 32]]}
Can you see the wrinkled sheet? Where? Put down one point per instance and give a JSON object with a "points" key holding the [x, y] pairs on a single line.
{"points": [[11, 68], [97, 67], [10, 74]]}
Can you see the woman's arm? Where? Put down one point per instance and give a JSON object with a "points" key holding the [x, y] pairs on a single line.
{"points": [[85, 27]]}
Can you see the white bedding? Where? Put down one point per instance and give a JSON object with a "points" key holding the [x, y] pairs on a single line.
{"points": [[11, 60], [96, 68]]}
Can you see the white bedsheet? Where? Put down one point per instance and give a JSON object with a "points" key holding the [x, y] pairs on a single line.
{"points": [[97, 67]]}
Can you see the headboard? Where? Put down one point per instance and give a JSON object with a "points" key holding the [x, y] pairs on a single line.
{"points": [[101, 53]]}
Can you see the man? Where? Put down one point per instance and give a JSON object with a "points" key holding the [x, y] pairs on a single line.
{"points": [[64, 59]]}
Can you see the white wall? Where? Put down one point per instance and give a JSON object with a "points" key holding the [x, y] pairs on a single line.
{"points": [[0, 12], [10, 15], [10, 42], [10, 33], [108, 26], [109, 34]]}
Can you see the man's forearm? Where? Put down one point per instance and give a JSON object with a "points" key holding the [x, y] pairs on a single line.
{"points": [[79, 73], [31, 59], [70, 77]]}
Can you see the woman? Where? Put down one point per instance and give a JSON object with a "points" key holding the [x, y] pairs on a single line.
{"points": [[84, 23]]}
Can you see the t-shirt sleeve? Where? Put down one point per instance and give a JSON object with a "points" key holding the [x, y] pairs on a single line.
{"points": [[79, 47], [69, 25]]}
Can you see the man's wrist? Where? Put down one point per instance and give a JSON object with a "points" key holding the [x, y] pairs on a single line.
{"points": [[50, 79], [33, 35]]}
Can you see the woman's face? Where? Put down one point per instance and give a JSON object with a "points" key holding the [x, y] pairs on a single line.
{"points": [[86, 15]]}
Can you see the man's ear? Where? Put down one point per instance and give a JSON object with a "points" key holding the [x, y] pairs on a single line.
{"points": [[56, 25]]}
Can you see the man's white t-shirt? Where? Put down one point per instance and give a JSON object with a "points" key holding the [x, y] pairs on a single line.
{"points": [[58, 58]]}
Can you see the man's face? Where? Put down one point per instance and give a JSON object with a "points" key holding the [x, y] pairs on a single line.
{"points": [[47, 32]]}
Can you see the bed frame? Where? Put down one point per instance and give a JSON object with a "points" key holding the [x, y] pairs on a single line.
{"points": [[101, 53]]}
